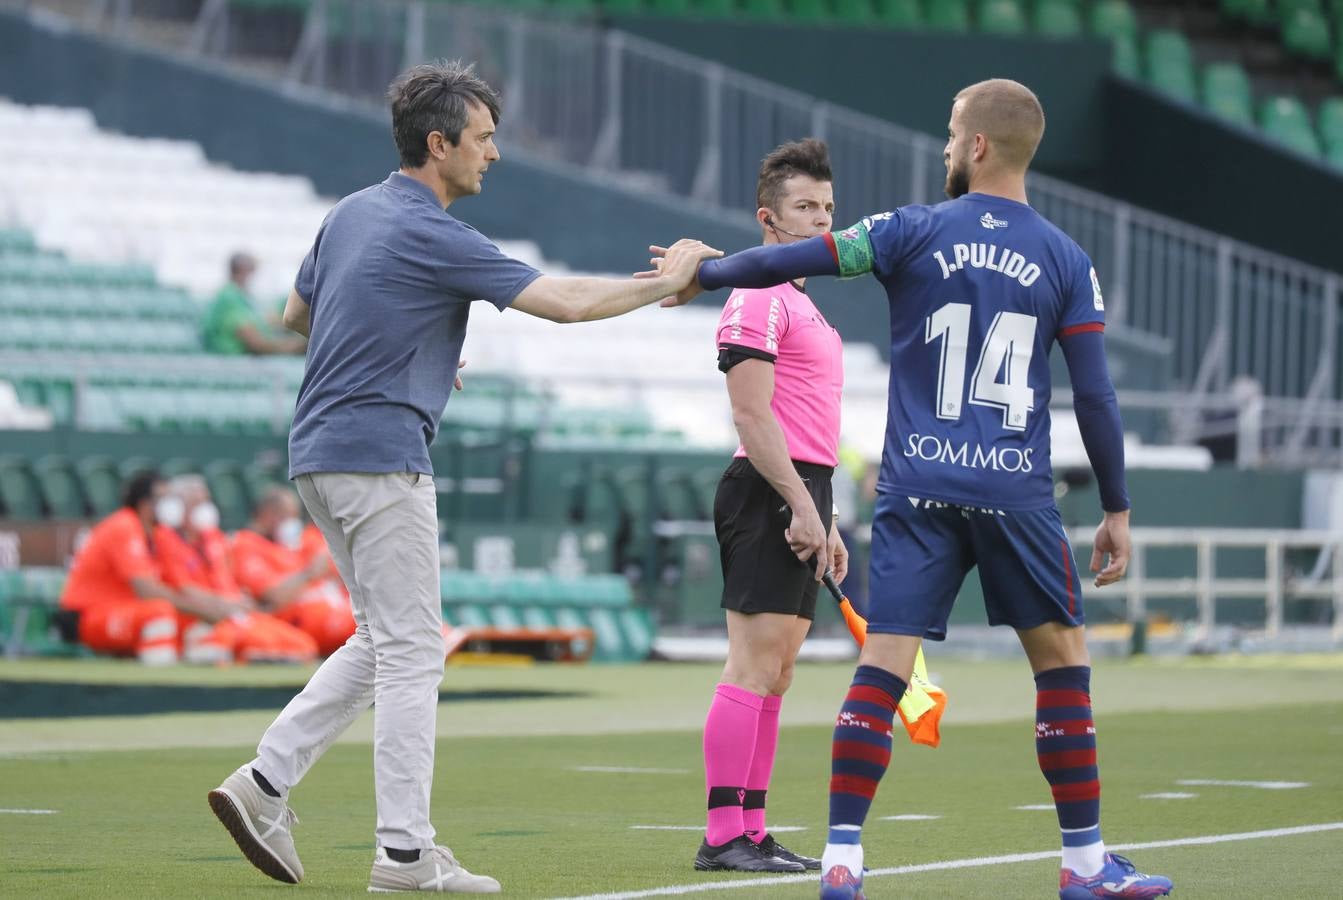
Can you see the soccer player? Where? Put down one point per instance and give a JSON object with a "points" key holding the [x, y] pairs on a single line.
{"points": [[785, 370], [117, 587], [980, 289], [269, 563], [384, 295]]}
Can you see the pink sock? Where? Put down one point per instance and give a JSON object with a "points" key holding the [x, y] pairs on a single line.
{"points": [[762, 765], [729, 736]]}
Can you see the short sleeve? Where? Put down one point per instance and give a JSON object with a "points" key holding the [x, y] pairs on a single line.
{"points": [[869, 246], [753, 321], [1083, 304], [306, 282], [129, 553], [473, 268]]}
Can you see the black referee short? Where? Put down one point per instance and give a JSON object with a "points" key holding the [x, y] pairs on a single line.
{"points": [[761, 574]]}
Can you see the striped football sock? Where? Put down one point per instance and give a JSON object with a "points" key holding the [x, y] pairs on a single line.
{"points": [[860, 754], [1065, 742]]}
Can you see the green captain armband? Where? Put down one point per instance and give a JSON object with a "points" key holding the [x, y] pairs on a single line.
{"points": [[853, 249]]}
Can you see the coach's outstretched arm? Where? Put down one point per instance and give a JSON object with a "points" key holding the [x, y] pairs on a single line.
{"points": [[1097, 412], [579, 299]]}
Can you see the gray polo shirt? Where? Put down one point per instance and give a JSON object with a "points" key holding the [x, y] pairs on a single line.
{"points": [[389, 280]]}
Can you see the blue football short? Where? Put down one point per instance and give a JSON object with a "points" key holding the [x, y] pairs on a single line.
{"points": [[923, 549]]}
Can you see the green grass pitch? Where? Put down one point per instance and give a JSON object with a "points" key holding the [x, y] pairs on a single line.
{"points": [[521, 792]]}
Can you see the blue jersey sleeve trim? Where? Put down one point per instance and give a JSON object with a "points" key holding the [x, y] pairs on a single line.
{"points": [[1097, 412]]}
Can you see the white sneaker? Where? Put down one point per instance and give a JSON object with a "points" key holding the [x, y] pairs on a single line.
{"points": [[259, 824], [436, 870]]}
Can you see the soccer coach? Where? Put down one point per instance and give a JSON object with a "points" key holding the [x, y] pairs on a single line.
{"points": [[383, 297]]}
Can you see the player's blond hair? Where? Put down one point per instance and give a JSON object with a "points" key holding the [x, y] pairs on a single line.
{"points": [[1007, 113]]}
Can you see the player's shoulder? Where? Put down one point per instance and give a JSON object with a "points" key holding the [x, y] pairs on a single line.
{"points": [[119, 525], [1061, 241]]}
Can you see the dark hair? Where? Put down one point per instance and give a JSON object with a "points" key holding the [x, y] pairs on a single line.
{"points": [[139, 488], [435, 97], [806, 157], [239, 261]]}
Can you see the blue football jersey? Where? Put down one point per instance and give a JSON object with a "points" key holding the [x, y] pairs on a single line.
{"points": [[979, 289]]}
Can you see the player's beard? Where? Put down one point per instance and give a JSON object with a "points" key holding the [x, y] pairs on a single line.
{"points": [[958, 179]]}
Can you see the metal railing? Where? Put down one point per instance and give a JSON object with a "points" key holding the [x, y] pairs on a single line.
{"points": [[661, 120], [1279, 583]]}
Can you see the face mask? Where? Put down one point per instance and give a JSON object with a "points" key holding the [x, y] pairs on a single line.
{"points": [[205, 517], [290, 533], [170, 511]]}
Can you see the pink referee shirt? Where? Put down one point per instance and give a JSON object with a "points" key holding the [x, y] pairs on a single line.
{"points": [[782, 325]]}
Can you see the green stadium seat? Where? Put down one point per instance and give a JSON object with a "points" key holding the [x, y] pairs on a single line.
{"points": [[948, 15], [1255, 12], [505, 616], [762, 9], [178, 465], [899, 13], [471, 615], [1226, 92], [1114, 19], [1286, 120], [639, 632], [574, 7], [852, 12], [608, 639], [718, 9], [229, 491], [16, 242], [1057, 18], [131, 466], [1329, 118], [1334, 155], [634, 7], [1289, 7], [1305, 33], [101, 484], [537, 618], [1170, 64], [60, 487], [20, 494], [808, 10], [1001, 17]]}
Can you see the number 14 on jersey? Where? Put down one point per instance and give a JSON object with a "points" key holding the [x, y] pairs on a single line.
{"points": [[1007, 350]]}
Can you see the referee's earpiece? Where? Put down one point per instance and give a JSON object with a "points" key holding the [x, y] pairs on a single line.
{"points": [[769, 221]]}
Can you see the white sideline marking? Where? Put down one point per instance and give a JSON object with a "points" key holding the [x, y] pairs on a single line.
{"points": [[773, 829], [629, 770], [1263, 785], [909, 817], [971, 863], [1040, 807], [1168, 795], [29, 812]]}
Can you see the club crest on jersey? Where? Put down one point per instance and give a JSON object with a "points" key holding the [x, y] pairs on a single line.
{"points": [[989, 222]]}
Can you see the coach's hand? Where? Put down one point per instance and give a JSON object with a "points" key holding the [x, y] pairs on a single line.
{"points": [[806, 537], [679, 263], [1112, 539], [457, 382]]}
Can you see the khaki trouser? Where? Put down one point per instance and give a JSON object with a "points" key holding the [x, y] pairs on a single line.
{"points": [[382, 531]]}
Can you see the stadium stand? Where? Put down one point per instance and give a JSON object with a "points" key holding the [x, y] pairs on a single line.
{"points": [[605, 445]]}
